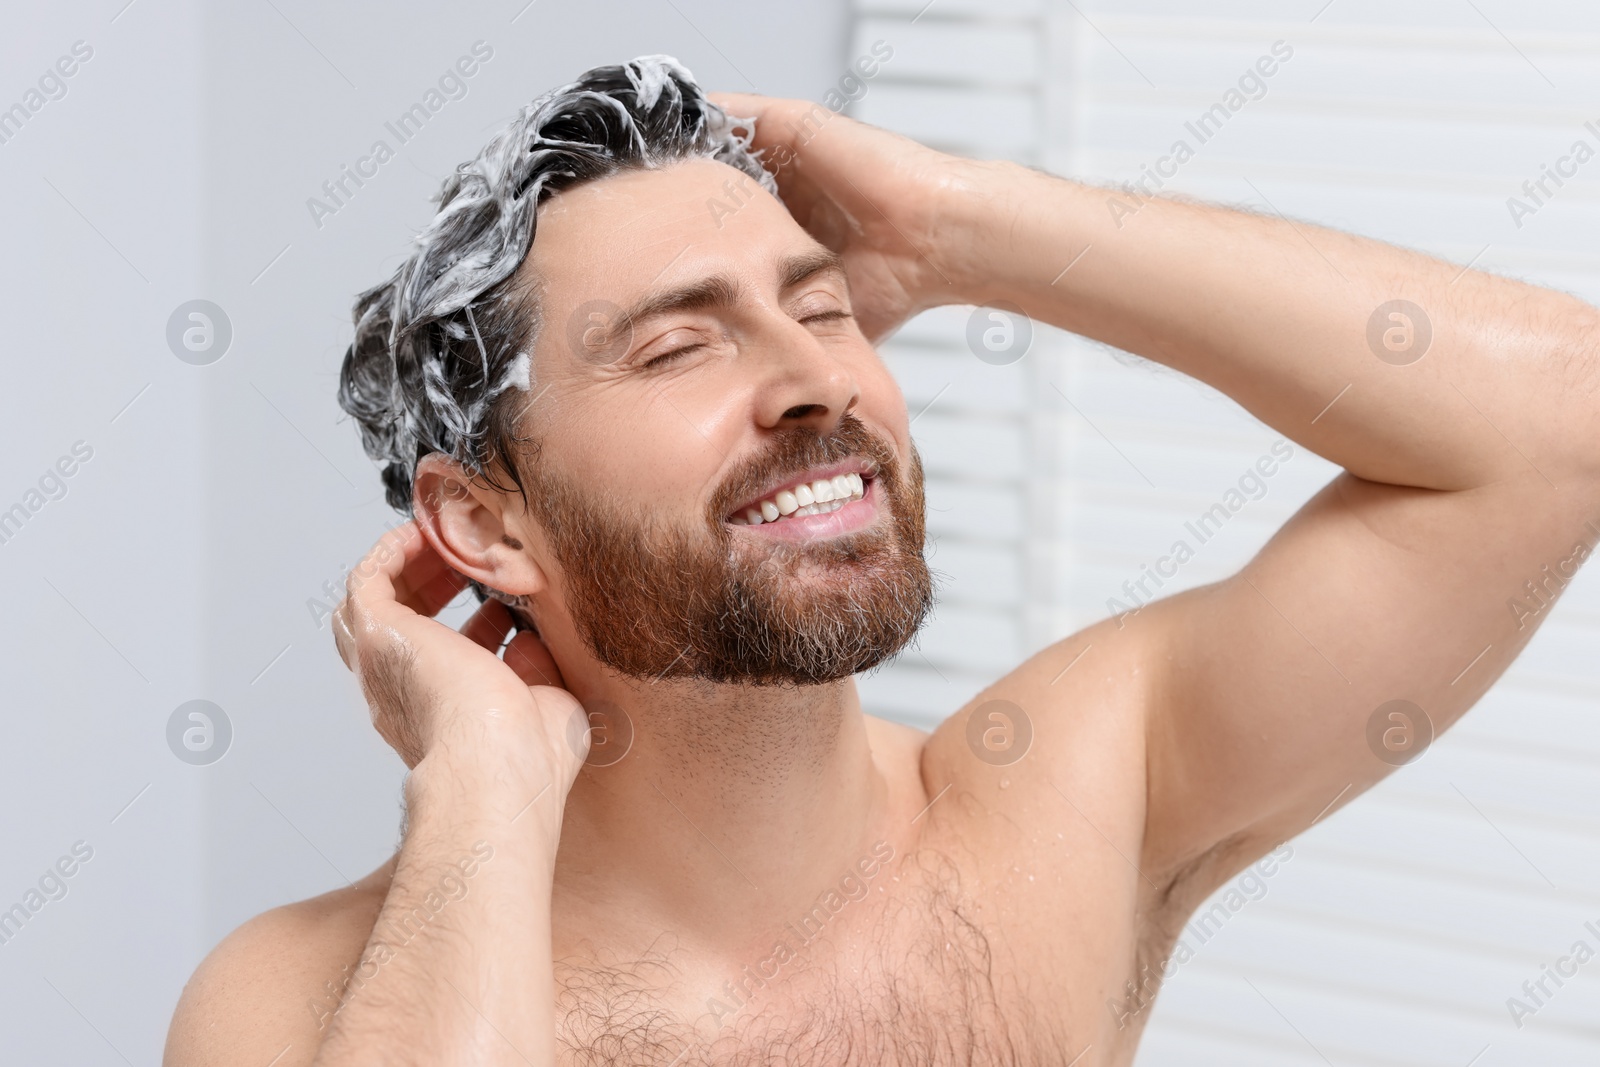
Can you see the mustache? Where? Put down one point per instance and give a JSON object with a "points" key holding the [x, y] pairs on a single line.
{"points": [[798, 449]]}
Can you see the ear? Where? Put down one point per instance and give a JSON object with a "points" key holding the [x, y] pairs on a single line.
{"points": [[465, 522]]}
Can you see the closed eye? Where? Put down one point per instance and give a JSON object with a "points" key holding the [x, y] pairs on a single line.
{"points": [[667, 357], [676, 353]]}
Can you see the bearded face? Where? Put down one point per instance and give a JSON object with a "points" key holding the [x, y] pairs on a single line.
{"points": [[726, 599], [721, 466]]}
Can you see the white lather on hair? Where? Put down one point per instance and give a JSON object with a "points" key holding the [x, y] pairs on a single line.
{"points": [[439, 343]]}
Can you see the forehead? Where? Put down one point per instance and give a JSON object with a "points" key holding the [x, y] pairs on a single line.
{"points": [[616, 237]]}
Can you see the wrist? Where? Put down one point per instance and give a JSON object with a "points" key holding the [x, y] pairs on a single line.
{"points": [[974, 219], [510, 787], [1002, 237]]}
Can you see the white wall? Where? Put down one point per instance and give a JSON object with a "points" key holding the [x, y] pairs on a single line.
{"points": [[1401, 925]]}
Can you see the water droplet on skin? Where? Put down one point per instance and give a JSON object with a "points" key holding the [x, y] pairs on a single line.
{"points": [[1004, 782]]}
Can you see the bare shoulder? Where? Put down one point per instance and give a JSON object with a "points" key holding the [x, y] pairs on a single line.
{"points": [[1085, 693], [256, 996], [895, 740], [1058, 743]]}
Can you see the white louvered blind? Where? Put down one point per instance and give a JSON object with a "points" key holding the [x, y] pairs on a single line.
{"points": [[1401, 926]]}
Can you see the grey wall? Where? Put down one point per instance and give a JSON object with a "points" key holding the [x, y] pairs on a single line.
{"points": [[104, 588], [179, 563]]}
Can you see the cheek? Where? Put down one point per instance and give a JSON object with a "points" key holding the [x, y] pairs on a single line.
{"points": [[712, 410], [644, 449], [882, 404]]}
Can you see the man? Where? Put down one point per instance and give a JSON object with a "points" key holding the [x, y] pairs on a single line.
{"points": [[661, 830]]}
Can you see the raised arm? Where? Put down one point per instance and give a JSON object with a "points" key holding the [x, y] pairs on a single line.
{"points": [[1464, 410]]}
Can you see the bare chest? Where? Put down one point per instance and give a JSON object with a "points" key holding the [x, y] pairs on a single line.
{"points": [[928, 979]]}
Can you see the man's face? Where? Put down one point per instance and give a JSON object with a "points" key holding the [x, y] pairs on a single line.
{"points": [[701, 365]]}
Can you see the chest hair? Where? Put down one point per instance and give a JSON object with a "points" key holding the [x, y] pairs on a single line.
{"points": [[929, 987]]}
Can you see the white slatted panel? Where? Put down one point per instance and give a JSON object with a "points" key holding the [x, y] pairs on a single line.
{"points": [[1401, 925]]}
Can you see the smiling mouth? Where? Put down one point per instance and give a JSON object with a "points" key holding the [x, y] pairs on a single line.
{"points": [[818, 496]]}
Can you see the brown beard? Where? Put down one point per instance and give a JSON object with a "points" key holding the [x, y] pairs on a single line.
{"points": [[655, 601]]}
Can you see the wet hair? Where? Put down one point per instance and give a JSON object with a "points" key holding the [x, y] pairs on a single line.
{"points": [[441, 360]]}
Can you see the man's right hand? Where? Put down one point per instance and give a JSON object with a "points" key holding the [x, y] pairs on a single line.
{"points": [[429, 686]]}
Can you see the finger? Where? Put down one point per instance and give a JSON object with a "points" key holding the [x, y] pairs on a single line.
{"points": [[402, 568], [834, 150], [532, 662], [488, 625], [744, 105], [426, 583], [343, 639], [781, 130], [440, 590], [777, 120], [378, 571]]}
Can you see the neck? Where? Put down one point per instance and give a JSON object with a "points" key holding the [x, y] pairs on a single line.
{"points": [[732, 806]]}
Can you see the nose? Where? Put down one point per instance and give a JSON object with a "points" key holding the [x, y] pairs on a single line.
{"points": [[806, 384]]}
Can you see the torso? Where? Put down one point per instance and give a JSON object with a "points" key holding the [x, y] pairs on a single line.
{"points": [[1004, 930], [907, 976]]}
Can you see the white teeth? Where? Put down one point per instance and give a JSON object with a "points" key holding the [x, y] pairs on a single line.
{"points": [[815, 498], [821, 509]]}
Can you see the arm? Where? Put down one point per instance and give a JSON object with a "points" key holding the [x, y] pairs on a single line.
{"points": [[458, 966], [446, 959], [1468, 470]]}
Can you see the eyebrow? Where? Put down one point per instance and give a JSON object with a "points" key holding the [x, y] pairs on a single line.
{"points": [[722, 290]]}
